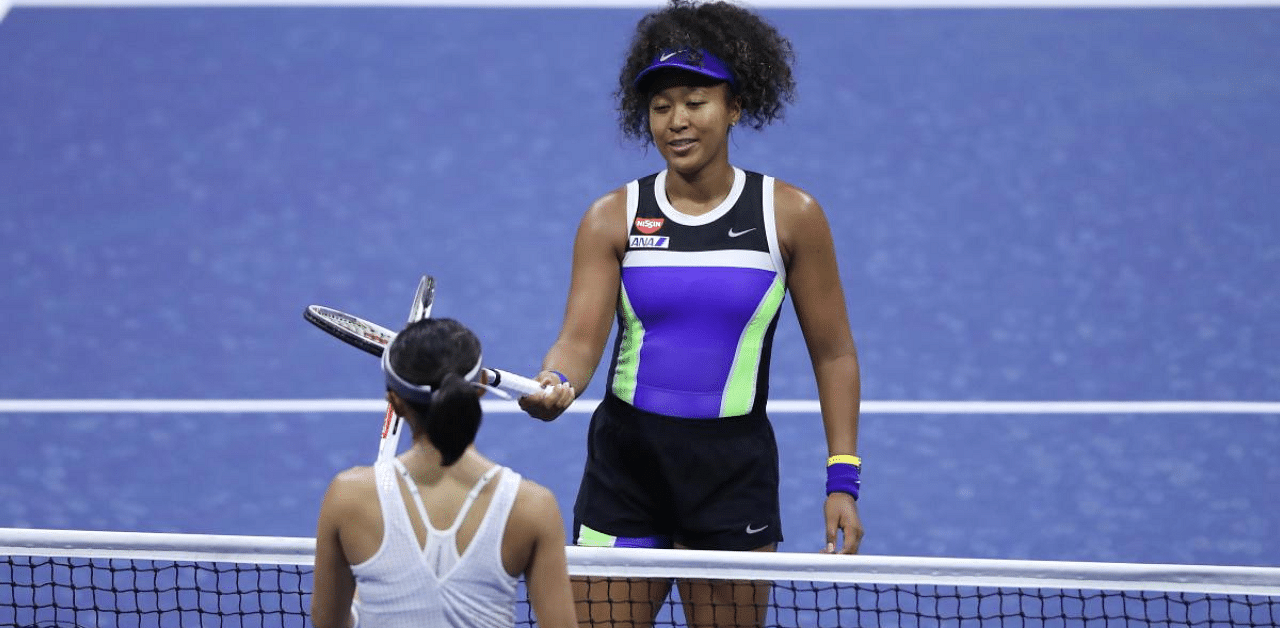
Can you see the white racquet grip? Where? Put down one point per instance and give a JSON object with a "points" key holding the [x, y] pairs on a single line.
{"points": [[509, 381]]}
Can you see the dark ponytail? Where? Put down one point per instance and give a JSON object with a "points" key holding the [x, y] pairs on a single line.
{"points": [[438, 352], [452, 421]]}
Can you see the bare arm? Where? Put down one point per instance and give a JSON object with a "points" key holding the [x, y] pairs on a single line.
{"points": [[813, 278], [589, 311], [334, 583], [547, 572]]}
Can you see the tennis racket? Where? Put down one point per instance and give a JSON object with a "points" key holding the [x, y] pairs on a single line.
{"points": [[423, 299], [373, 339]]}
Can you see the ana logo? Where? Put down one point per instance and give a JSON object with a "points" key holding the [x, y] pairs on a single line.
{"points": [[650, 242], [648, 225]]}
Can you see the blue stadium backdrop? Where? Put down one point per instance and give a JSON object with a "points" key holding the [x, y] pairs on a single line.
{"points": [[1056, 204]]}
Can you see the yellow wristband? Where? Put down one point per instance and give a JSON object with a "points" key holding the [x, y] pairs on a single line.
{"points": [[844, 458]]}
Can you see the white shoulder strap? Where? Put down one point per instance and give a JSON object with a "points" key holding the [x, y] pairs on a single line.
{"points": [[413, 491], [771, 228], [633, 202], [472, 495], [466, 504]]}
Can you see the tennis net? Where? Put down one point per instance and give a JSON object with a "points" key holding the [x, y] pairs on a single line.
{"points": [[81, 578]]}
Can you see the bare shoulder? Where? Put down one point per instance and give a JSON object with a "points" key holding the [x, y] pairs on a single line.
{"points": [[355, 477], [612, 201], [534, 520], [799, 216], [352, 487], [536, 502], [535, 513], [604, 226], [792, 200], [533, 526], [608, 211]]}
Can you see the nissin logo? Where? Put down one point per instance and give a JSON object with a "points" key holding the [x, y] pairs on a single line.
{"points": [[648, 226], [649, 242]]}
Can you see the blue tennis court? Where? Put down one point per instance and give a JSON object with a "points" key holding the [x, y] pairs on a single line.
{"points": [[1030, 205]]}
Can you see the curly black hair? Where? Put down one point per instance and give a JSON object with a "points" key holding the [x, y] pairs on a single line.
{"points": [[757, 54]]}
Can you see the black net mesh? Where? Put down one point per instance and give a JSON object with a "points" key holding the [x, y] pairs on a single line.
{"points": [[101, 592]]}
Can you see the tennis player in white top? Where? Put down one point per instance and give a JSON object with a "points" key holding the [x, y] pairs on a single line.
{"points": [[439, 535]]}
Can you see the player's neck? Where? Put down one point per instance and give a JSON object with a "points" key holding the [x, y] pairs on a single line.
{"points": [[425, 465], [699, 191]]}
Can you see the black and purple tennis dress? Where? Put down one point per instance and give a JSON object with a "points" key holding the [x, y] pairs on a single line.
{"points": [[680, 450], [699, 301]]}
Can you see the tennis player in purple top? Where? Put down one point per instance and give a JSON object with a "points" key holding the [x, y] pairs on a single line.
{"points": [[694, 263]]}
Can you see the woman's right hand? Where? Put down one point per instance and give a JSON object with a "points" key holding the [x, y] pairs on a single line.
{"points": [[552, 401]]}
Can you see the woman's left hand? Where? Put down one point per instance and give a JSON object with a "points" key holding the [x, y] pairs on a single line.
{"points": [[841, 513]]}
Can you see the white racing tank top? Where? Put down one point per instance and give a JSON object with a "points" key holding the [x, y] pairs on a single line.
{"points": [[404, 584]]}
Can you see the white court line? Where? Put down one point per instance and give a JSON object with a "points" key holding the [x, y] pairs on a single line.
{"points": [[652, 4], [586, 406]]}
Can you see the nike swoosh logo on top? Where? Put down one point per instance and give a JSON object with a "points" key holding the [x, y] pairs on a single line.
{"points": [[751, 530], [734, 234], [668, 56]]}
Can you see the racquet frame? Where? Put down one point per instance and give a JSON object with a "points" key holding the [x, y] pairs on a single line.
{"points": [[374, 339]]}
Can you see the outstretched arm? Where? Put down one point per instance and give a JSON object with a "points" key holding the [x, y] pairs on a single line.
{"points": [[588, 316], [813, 278]]}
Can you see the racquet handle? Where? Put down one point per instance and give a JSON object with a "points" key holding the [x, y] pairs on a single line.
{"points": [[509, 381]]}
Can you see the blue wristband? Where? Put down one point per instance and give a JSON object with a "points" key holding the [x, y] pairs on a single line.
{"points": [[563, 379], [843, 477]]}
